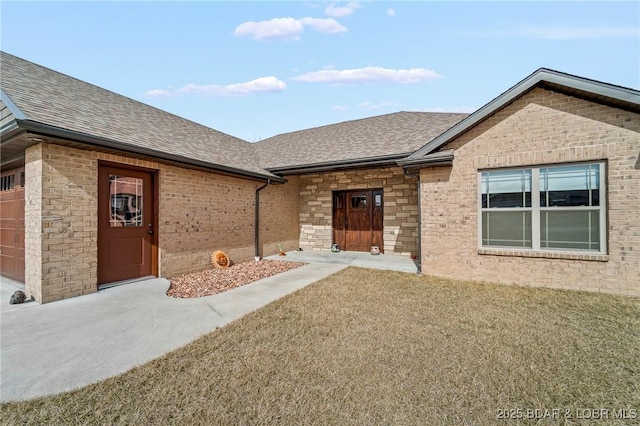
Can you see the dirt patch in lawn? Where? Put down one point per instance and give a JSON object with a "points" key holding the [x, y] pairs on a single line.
{"points": [[214, 281]]}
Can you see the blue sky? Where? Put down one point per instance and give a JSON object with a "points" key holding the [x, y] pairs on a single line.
{"points": [[257, 69]]}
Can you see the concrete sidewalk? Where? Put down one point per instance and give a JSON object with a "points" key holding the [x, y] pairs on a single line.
{"points": [[60, 346], [389, 262]]}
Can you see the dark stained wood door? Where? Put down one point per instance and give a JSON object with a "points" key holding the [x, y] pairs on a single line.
{"points": [[339, 218], [126, 224], [358, 219], [12, 224]]}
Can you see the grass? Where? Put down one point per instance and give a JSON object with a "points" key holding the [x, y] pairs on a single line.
{"points": [[379, 347]]}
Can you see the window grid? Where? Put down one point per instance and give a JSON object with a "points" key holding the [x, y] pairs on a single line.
{"points": [[594, 183], [7, 182]]}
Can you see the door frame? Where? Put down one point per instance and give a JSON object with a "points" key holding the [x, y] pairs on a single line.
{"points": [[339, 226], [155, 193]]}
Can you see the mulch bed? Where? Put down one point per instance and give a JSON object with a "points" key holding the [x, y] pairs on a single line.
{"points": [[214, 281]]}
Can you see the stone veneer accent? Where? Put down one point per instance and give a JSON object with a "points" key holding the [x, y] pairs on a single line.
{"points": [[543, 127], [400, 204], [198, 212]]}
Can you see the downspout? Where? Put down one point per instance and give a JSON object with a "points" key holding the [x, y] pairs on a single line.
{"points": [[417, 176], [257, 220]]}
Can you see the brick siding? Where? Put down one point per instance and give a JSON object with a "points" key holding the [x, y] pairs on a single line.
{"points": [[60, 222], [279, 217], [543, 127], [199, 212]]}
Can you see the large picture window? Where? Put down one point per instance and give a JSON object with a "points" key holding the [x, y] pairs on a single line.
{"points": [[544, 208]]}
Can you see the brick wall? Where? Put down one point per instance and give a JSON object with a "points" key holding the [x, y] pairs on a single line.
{"points": [[543, 127], [400, 203], [60, 222], [33, 222], [279, 217], [199, 212]]}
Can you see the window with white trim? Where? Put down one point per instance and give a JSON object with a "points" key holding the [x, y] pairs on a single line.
{"points": [[544, 208]]}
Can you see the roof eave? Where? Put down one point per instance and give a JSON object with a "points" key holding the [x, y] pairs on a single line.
{"points": [[444, 158], [17, 113], [100, 142], [330, 166]]}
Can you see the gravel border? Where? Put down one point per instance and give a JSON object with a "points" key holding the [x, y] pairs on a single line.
{"points": [[215, 281]]}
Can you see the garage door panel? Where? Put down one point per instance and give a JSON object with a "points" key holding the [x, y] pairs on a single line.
{"points": [[7, 238], [8, 265], [12, 259]]}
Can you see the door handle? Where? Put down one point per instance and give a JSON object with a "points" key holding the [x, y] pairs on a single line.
{"points": [[150, 231]]}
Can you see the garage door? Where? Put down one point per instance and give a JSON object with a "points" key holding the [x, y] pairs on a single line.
{"points": [[12, 224]]}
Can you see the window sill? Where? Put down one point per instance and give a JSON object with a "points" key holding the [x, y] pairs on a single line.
{"points": [[594, 257]]}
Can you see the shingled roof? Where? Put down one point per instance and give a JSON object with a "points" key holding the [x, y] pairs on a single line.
{"points": [[46, 102], [49, 101], [367, 141]]}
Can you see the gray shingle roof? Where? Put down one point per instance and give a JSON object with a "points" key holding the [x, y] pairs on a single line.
{"points": [[49, 97], [47, 100], [380, 136]]}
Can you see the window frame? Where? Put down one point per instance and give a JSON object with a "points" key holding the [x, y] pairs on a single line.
{"points": [[536, 209]]}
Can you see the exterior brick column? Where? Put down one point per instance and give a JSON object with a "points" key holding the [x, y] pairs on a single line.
{"points": [[61, 233]]}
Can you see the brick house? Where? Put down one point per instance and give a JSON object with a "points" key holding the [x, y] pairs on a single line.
{"points": [[539, 187], [98, 188]]}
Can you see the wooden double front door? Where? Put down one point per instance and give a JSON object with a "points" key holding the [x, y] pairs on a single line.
{"points": [[126, 224], [358, 219]]}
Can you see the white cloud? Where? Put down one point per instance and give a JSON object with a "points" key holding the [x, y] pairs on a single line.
{"points": [[329, 25], [339, 108], [287, 28], [339, 11], [158, 93], [391, 12], [369, 75], [262, 84], [565, 33]]}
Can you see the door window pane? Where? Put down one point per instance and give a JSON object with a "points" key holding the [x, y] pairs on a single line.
{"points": [[506, 189], [126, 201], [505, 228], [358, 201], [338, 202], [570, 229]]}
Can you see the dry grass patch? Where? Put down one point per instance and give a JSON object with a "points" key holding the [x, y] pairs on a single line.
{"points": [[378, 347]]}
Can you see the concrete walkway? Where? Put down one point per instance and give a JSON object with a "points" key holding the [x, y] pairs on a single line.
{"points": [[387, 262], [60, 346]]}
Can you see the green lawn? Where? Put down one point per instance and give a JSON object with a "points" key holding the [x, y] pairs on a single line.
{"points": [[377, 347]]}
